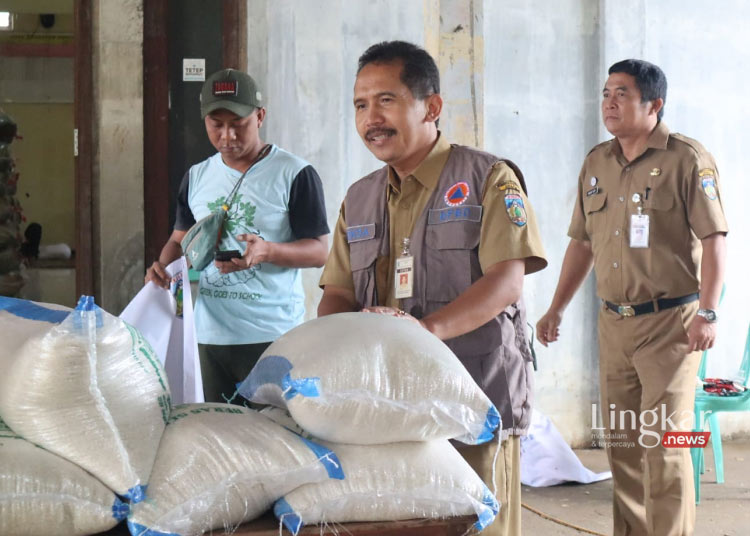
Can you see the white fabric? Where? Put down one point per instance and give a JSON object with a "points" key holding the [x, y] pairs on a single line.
{"points": [[366, 378], [547, 460], [42, 494], [391, 482], [220, 465], [89, 389], [165, 319]]}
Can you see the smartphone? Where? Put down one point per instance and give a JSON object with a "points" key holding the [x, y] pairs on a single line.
{"points": [[227, 255]]}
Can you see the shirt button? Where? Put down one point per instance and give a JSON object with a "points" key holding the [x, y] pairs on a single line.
{"points": [[622, 199], [615, 265], [617, 232]]}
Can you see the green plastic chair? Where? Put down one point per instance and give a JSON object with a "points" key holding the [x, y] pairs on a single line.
{"points": [[707, 407]]}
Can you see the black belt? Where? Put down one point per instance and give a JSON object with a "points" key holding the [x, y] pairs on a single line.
{"points": [[648, 307]]}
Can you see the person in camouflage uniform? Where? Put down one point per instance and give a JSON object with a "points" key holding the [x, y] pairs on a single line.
{"points": [[10, 213]]}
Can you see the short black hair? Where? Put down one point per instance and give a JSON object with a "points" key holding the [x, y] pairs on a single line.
{"points": [[419, 73], [649, 78]]}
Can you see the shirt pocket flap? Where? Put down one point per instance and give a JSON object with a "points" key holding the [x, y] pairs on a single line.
{"points": [[595, 203], [453, 235], [659, 201], [363, 254]]}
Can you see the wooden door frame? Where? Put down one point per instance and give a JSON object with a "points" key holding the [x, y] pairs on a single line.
{"points": [[156, 108], [83, 104]]}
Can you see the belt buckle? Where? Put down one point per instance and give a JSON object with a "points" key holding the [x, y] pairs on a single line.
{"points": [[625, 310]]}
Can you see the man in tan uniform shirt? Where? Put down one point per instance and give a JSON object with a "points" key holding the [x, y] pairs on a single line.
{"points": [[479, 222], [648, 218]]}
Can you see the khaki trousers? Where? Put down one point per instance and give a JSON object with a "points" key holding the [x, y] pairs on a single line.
{"points": [[648, 387], [507, 478]]}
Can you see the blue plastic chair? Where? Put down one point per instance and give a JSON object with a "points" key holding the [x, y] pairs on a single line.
{"points": [[707, 406]]}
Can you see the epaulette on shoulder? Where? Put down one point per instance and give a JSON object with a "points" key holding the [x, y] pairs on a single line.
{"points": [[695, 145], [599, 146]]}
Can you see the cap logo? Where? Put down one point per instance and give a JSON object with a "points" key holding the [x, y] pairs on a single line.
{"points": [[225, 88]]}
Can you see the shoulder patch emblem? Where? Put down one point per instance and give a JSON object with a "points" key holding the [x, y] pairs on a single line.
{"points": [[709, 186], [457, 194], [514, 207], [705, 171]]}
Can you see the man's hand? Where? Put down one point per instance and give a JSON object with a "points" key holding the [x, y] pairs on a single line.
{"points": [[548, 327], [390, 311], [701, 334], [256, 252], [157, 273]]}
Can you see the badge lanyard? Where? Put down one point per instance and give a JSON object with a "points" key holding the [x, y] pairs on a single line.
{"points": [[403, 277], [639, 224]]}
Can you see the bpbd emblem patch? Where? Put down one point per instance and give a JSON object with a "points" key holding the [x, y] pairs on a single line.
{"points": [[515, 209], [457, 194], [708, 182]]}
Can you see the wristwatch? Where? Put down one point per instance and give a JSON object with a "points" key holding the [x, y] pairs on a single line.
{"points": [[709, 314]]}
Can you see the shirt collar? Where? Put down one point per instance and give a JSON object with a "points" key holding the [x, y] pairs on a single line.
{"points": [[658, 139], [428, 171]]}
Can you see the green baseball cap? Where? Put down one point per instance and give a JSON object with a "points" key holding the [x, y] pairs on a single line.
{"points": [[231, 90]]}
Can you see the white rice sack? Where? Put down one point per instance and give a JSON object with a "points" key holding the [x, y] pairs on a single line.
{"points": [[91, 390], [22, 319], [42, 494], [366, 378], [220, 465], [389, 483]]}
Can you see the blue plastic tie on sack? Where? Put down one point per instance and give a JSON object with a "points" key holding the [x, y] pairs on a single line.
{"points": [[284, 513], [120, 509], [136, 494], [307, 387], [486, 517], [32, 311], [491, 422], [86, 304], [274, 369], [328, 458], [136, 529]]}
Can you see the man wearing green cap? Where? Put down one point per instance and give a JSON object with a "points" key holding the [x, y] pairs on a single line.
{"points": [[276, 220]]}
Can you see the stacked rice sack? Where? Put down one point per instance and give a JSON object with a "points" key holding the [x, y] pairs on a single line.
{"points": [[385, 395], [87, 388], [220, 465]]}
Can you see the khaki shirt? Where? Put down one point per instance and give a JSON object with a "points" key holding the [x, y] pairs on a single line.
{"points": [[500, 238], [676, 182]]}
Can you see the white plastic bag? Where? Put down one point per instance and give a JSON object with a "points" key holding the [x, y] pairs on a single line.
{"points": [[220, 465], [165, 319], [392, 482], [366, 378], [89, 389], [42, 494]]}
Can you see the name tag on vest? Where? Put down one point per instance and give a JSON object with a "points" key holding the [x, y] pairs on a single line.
{"points": [[463, 213], [360, 232]]}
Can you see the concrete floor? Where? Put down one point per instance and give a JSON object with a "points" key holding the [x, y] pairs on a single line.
{"points": [[724, 509]]}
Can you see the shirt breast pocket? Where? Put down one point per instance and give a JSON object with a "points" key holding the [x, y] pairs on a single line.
{"points": [[596, 215], [449, 251]]}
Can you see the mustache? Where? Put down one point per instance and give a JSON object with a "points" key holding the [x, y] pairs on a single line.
{"points": [[378, 131]]}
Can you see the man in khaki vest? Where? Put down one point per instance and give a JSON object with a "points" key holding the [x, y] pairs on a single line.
{"points": [[649, 219], [464, 214]]}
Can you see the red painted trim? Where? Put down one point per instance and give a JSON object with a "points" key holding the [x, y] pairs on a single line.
{"points": [[35, 50]]}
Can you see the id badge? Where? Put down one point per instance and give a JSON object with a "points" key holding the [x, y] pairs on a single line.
{"points": [[404, 277], [639, 230]]}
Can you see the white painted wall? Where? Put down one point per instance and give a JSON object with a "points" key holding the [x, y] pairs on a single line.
{"points": [[537, 69]]}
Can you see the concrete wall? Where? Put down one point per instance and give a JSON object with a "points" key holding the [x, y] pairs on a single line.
{"points": [[523, 80], [118, 162]]}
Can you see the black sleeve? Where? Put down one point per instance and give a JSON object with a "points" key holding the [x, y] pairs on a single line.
{"points": [[184, 218], [307, 207]]}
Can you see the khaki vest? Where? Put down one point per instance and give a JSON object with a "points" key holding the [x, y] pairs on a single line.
{"points": [[445, 246]]}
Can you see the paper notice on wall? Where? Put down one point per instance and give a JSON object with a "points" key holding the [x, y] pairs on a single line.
{"points": [[165, 319]]}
